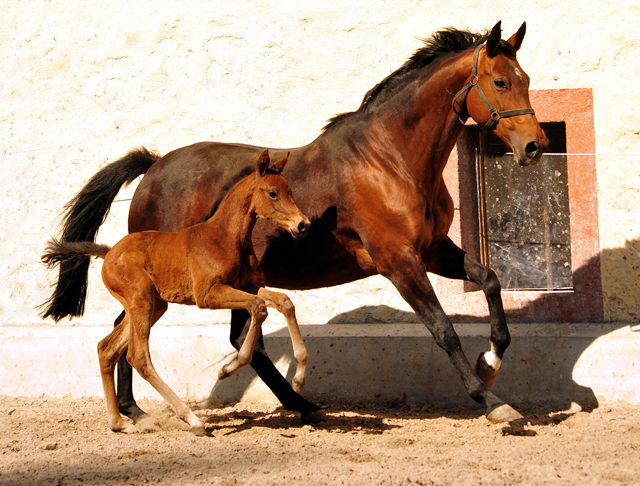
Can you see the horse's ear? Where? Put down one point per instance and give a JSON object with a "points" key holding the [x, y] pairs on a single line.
{"points": [[263, 163], [516, 39], [279, 165], [494, 39]]}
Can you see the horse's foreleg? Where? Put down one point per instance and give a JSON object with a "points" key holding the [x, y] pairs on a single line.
{"points": [[447, 260], [408, 273], [310, 413], [126, 403], [283, 304]]}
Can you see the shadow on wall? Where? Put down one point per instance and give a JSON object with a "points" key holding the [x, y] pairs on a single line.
{"points": [[536, 370]]}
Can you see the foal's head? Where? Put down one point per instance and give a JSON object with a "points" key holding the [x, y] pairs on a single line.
{"points": [[273, 200]]}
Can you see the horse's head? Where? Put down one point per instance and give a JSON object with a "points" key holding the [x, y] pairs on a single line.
{"points": [[502, 100], [273, 200]]}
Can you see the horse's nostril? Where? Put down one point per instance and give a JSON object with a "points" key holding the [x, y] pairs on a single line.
{"points": [[532, 148], [302, 227]]}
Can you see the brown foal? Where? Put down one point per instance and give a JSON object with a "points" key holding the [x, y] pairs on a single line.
{"points": [[204, 265]]}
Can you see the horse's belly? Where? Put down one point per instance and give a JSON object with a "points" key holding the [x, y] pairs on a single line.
{"points": [[318, 260]]}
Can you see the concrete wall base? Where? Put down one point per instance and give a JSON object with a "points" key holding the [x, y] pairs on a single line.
{"points": [[547, 363]]}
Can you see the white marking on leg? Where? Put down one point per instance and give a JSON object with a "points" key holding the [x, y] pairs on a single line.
{"points": [[492, 359]]}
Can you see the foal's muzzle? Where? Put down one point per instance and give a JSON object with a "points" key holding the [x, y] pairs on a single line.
{"points": [[301, 230]]}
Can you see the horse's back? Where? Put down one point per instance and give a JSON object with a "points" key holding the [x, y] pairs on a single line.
{"points": [[181, 186]]}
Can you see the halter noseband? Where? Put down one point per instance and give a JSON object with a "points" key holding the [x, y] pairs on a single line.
{"points": [[496, 115]]}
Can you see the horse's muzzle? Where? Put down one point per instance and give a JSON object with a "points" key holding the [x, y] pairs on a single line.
{"points": [[301, 230]]}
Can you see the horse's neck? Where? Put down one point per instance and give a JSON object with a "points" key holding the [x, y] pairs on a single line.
{"points": [[235, 217], [425, 133]]}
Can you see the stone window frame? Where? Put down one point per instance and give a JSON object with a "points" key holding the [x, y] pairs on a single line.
{"points": [[585, 302]]}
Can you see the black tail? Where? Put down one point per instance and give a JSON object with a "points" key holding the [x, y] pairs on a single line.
{"points": [[82, 218]]}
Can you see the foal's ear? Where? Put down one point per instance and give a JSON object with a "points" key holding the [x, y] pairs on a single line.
{"points": [[516, 39], [279, 165], [494, 39], [263, 163]]}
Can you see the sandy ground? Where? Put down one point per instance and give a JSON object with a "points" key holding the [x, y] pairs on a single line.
{"points": [[67, 442]]}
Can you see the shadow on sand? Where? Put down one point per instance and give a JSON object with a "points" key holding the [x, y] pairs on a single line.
{"points": [[537, 375]]}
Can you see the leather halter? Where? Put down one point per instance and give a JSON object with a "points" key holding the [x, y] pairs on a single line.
{"points": [[496, 115]]}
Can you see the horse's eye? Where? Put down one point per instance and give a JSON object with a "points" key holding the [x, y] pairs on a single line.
{"points": [[273, 194], [500, 83]]}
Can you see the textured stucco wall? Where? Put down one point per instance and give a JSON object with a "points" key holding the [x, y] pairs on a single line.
{"points": [[83, 82]]}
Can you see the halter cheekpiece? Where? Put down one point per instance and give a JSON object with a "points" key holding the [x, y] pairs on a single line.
{"points": [[496, 115]]}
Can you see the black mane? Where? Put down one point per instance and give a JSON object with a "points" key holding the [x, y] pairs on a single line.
{"points": [[440, 44], [232, 182]]}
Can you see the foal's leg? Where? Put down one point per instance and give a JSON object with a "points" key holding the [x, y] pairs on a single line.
{"points": [[310, 413], [109, 351], [143, 315], [447, 260], [224, 297], [283, 304]]}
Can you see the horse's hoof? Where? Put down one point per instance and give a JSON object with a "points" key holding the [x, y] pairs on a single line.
{"points": [[297, 387], [134, 412], [486, 373], [125, 428], [316, 417], [199, 431], [503, 413], [222, 374]]}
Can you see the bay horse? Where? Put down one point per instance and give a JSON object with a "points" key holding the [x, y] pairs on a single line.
{"points": [[205, 265], [372, 184]]}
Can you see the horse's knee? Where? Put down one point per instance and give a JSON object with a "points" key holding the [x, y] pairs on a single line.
{"points": [[287, 307], [302, 358]]}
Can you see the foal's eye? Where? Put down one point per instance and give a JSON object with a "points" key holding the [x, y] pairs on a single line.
{"points": [[500, 83], [273, 194]]}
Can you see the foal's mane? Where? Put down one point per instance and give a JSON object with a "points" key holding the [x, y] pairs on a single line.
{"points": [[225, 190], [227, 187], [440, 44]]}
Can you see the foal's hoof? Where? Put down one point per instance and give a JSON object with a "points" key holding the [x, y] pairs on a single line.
{"points": [[124, 428], [486, 373], [316, 417], [503, 413], [199, 431], [297, 386], [222, 374]]}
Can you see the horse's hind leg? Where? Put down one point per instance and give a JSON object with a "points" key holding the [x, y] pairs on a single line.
{"points": [[126, 403], [109, 351], [283, 304], [447, 260]]}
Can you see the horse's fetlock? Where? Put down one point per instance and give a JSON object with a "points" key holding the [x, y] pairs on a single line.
{"points": [[259, 310]]}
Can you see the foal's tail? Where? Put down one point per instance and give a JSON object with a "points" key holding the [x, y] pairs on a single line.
{"points": [[82, 218], [58, 252]]}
